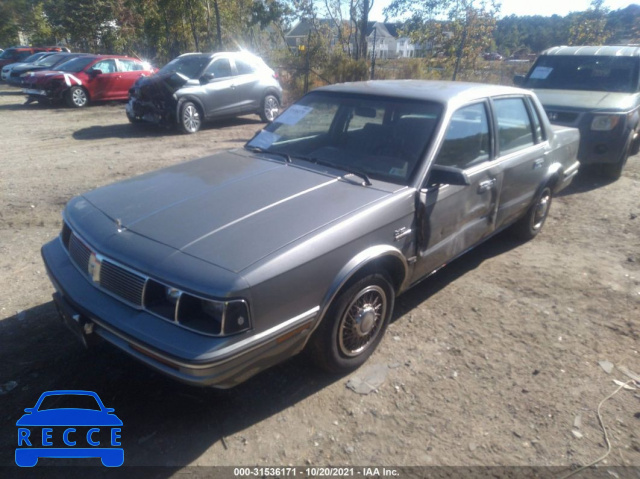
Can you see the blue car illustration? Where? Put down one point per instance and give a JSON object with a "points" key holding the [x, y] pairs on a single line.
{"points": [[69, 424]]}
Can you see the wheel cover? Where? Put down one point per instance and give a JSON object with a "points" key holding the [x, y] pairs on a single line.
{"points": [[79, 97], [191, 118], [541, 210], [362, 321], [271, 108]]}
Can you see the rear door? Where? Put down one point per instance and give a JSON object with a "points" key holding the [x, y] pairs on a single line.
{"points": [[451, 219], [522, 152], [248, 95], [128, 72]]}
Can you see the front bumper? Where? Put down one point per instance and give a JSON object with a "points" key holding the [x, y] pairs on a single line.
{"points": [[228, 361], [156, 112]]}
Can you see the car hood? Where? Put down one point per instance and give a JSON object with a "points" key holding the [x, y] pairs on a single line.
{"points": [[69, 417], [161, 84], [12, 66], [585, 100], [230, 209]]}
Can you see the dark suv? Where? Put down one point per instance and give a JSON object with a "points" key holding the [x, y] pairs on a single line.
{"points": [[595, 89], [201, 86], [17, 54]]}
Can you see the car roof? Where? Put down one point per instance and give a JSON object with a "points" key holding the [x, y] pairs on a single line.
{"points": [[439, 91], [601, 50]]}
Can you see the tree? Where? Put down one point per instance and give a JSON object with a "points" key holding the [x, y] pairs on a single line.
{"points": [[589, 28], [456, 31]]}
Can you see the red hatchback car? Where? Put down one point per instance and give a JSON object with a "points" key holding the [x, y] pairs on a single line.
{"points": [[86, 79]]}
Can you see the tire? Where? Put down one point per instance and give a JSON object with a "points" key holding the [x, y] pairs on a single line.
{"points": [[77, 97], [354, 325], [613, 171], [531, 223], [190, 118], [269, 109]]}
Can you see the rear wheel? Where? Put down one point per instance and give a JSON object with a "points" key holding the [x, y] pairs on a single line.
{"points": [[270, 108], [531, 223], [190, 118], [77, 97], [354, 325]]}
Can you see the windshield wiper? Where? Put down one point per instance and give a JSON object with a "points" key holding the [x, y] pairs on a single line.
{"points": [[259, 149], [353, 171]]}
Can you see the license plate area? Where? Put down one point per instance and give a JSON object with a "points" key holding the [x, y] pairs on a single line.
{"points": [[80, 326]]}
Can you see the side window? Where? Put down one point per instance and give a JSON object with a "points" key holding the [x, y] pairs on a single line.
{"points": [[537, 124], [130, 66], [514, 125], [105, 66], [466, 142], [220, 68], [243, 67]]}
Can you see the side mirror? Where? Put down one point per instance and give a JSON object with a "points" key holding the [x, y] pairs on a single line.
{"points": [[518, 80], [447, 175], [94, 72], [206, 78]]}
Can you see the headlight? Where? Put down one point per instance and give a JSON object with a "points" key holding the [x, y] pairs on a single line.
{"points": [[218, 318], [604, 122]]}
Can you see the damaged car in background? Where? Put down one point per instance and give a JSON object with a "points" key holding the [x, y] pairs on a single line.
{"points": [[86, 79], [196, 87], [213, 270]]}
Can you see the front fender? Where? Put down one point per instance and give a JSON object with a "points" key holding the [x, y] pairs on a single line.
{"points": [[362, 260], [181, 102]]}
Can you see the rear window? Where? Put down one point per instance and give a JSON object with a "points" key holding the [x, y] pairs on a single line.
{"points": [[591, 73]]}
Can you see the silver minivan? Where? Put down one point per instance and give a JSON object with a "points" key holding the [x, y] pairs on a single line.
{"points": [[595, 89]]}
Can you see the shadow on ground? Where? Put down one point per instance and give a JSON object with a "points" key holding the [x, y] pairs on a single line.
{"points": [[588, 179], [142, 130], [165, 423]]}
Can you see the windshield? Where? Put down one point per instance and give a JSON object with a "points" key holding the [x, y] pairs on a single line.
{"points": [[76, 65], [69, 401], [8, 54], [52, 60], [190, 66], [594, 73], [382, 138], [33, 58]]}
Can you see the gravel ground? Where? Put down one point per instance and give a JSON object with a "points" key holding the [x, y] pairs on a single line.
{"points": [[494, 361]]}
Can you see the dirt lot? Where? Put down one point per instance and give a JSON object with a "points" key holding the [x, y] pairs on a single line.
{"points": [[489, 363]]}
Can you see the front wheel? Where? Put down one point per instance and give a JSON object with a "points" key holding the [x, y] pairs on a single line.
{"points": [[270, 108], [190, 118], [531, 223], [77, 97], [613, 171], [354, 325]]}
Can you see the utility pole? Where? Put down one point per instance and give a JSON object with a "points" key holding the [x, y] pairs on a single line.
{"points": [[373, 54], [306, 64]]}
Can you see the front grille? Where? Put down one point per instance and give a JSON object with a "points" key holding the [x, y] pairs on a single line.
{"points": [[122, 283], [562, 116], [79, 253]]}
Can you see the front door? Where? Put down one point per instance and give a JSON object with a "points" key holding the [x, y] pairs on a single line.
{"points": [[102, 85], [451, 219]]}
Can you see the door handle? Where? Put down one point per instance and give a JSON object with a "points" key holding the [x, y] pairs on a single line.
{"points": [[538, 163], [486, 185]]}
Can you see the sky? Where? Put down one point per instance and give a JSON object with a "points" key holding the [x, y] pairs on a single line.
{"points": [[526, 7]]}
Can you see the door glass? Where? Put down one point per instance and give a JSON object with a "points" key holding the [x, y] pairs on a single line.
{"points": [[130, 66], [467, 140], [105, 66], [220, 68], [514, 126], [243, 67]]}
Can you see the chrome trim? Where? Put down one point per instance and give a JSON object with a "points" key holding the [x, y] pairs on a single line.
{"points": [[250, 343], [571, 169], [401, 233]]}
